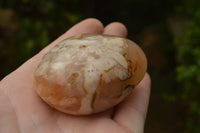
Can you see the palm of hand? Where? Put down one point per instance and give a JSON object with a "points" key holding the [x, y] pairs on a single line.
{"points": [[30, 114], [21, 109]]}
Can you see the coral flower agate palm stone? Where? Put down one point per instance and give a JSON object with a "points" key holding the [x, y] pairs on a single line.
{"points": [[87, 73]]}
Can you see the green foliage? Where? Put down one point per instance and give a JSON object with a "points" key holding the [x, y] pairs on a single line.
{"points": [[38, 23], [188, 69]]}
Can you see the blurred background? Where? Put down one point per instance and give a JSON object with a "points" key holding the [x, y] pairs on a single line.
{"points": [[167, 30]]}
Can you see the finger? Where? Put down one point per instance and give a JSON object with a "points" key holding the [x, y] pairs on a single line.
{"points": [[131, 113], [116, 28], [90, 25]]}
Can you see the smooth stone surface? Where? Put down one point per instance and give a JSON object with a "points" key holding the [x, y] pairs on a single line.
{"points": [[88, 73]]}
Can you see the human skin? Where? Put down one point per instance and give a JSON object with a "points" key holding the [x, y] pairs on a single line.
{"points": [[23, 111]]}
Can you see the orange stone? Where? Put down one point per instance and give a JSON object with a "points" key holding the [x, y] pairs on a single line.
{"points": [[87, 73]]}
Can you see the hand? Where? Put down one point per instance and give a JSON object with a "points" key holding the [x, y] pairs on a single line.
{"points": [[22, 111]]}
